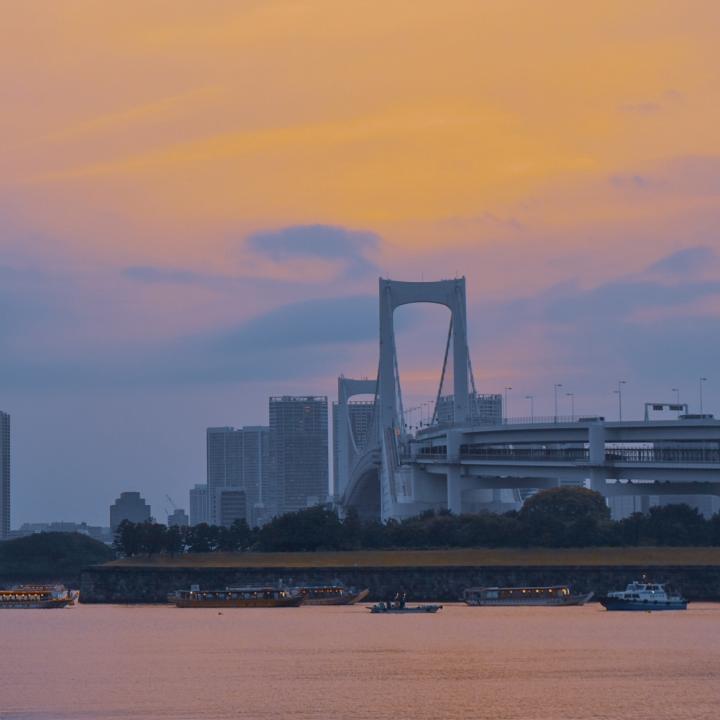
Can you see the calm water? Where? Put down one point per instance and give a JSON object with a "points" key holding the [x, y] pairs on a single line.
{"points": [[502, 663]]}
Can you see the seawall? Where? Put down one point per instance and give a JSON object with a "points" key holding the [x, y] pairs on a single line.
{"points": [[144, 584]]}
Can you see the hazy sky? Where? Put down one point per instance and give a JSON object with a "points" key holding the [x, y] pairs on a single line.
{"points": [[197, 199]]}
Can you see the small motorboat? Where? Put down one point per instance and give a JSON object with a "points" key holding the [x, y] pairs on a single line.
{"points": [[398, 606], [383, 607], [643, 596]]}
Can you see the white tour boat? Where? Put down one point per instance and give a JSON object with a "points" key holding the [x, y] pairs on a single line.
{"points": [[643, 596]]}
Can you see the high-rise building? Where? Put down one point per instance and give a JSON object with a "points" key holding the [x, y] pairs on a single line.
{"points": [[238, 459], [484, 409], [298, 451], [256, 473], [129, 506], [360, 417], [178, 518], [199, 504], [224, 463], [230, 505], [4, 475]]}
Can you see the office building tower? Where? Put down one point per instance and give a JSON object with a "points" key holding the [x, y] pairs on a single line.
{"points": [[360, 418], [298, 451], [230, 505], [4, 475], [199, 504], [178, 518], [238, 459], [256, 473], [129, 506], [224, 464]]}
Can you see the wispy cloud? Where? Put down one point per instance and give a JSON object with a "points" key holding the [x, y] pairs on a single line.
{"points": [[653, 324], [652, 106], [349, 248]]}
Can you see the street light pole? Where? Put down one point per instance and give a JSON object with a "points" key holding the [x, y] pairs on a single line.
{"points": [[555, 389], [505, 401], [618, 392], [531, 398], [572, 405], [700, 384]]}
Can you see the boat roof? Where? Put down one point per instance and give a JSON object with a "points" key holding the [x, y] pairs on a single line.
{"points": [[251, 588], [519, 587]]}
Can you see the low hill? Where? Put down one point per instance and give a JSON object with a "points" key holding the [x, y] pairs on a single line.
{"points": [[54, 555]]}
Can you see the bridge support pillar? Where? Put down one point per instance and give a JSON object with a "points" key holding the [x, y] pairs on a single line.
{"points": [[454, 479], [454, 490], [596, 443], [598, 481]]}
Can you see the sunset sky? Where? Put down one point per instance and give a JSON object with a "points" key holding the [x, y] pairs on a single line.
{"points": [[197, 199]]}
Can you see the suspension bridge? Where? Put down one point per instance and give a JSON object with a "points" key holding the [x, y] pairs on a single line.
{"points": [[398, 471]]}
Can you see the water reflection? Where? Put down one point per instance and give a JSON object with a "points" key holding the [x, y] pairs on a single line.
{"points": [[111, 662]]}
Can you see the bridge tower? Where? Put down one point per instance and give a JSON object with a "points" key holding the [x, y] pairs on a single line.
{"points": [[393, 294], [346, 445]]}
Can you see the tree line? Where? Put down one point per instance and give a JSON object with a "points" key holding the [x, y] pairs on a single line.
{"points": [[560, 517]]}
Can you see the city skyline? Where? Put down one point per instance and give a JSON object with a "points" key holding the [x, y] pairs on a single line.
{"points": [[183, 242]]}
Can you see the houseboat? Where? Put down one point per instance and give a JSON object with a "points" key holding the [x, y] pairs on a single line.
{"points": [[535, 595], [336, 594], [37, 597], [643, 596], [231, 597]]}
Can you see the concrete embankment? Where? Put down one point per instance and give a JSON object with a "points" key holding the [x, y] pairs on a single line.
{"points": [[151, 584]]}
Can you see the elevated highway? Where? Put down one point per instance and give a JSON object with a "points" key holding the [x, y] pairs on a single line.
{"points": [[400, 473]]}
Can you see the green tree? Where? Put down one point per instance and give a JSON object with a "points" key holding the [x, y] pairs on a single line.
{"points": [[127, 540], [243, 537], [631, 530], [152, 537], [315, 528], [201, 538], [713, 527], [175, 540], [565, 517], [676, 525]]}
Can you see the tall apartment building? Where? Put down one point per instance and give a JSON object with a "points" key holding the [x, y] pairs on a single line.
{"points": [[298, 451], [4, 475], [360, 415], [256, 473], [238, 459], [199, 504], [224, 464], [230, 505], [129, 506]]}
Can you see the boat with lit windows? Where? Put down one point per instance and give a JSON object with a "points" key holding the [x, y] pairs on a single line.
{"points": [[37, 597], [336, 594], [645, 596], [230, 597], [552, 595]]}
